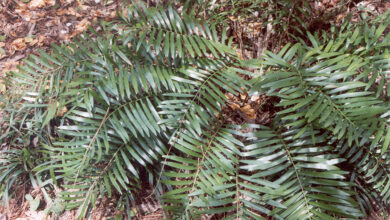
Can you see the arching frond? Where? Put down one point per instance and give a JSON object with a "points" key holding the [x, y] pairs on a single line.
{"points": [[271, 173], [337, 89]]}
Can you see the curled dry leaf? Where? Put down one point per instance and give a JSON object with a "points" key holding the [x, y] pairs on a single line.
{"points": [[82, 26], [234, 106], [17, 45], [249, 112]]}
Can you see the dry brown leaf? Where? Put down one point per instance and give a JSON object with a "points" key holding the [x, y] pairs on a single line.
{"points": [[41, 40], [2, 44], [69, 11], [82, 26], [63, 111], [248, 111], [234, 106], [243, 96], [232, 18], [61, 11], [18, 44], [50, 2], [34, 4], [341, 17]]}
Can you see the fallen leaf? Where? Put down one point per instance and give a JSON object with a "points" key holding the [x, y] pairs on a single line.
{"points": [[18, 44], [50, 2], [2, 44], [248, 111], [233, 18], [63, 111], [82, 26], [41, 40], [340, 17], [61, 12], [234, 106], [21, 5], [243, 96], [69, 11], [34, 4]]}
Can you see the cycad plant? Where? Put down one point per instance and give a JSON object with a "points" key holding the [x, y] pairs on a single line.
{"points": [[147, 97]]}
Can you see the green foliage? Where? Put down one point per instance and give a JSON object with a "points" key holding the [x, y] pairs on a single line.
{"points": [[285, 16], [104, 108], [146, 99]]}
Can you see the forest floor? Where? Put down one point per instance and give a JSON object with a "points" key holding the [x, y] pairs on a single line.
{"points": [[27, 26]]}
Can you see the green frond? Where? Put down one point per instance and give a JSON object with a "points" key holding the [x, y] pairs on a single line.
{"points": [[338, 89], [160, 33], [148, 97], [271, 173]]}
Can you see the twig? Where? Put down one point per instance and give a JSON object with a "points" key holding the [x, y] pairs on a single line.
{"points": [[31, 29], [262, 46]]}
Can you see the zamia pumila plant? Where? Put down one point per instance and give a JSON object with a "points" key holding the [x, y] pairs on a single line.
{"points": [[145, 98]]}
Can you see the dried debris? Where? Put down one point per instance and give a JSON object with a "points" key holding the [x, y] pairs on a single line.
{"points": [[28, 25]]}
